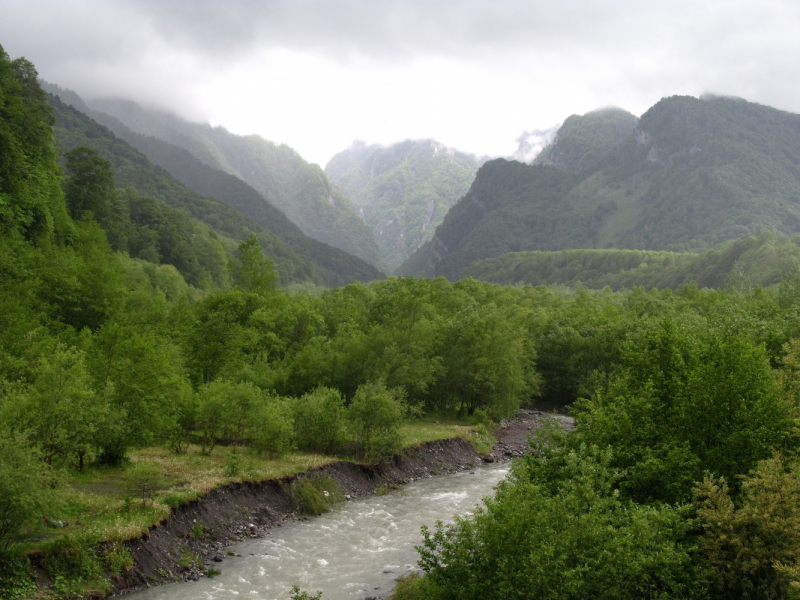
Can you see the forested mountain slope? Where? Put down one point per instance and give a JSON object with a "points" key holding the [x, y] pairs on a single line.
{"points": [[297, 257], [402, 191], [693, 174], [299, 189], [584, 139], [762, 260]]}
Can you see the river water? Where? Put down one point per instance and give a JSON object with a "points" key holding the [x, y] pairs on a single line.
{"points": [[348, 554]]}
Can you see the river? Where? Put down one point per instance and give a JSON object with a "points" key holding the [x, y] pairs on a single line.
{"points": [[349, 554]]}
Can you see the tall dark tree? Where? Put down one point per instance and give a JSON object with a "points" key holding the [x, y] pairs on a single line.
{"points": [[90, 186]]}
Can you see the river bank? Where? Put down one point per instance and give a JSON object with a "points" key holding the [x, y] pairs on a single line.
{"points": [[205, 528]]}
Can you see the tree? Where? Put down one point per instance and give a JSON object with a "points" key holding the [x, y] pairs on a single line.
{"points": [[61, 408], [559, 529], [24, 487], [752, 547], [253, 273], [375, 415], [90, 186]]}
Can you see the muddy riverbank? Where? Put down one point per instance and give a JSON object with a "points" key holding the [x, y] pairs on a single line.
{"points": [[242, 511]]}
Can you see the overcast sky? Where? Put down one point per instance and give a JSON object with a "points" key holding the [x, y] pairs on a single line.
{"points": [[472, 74]]}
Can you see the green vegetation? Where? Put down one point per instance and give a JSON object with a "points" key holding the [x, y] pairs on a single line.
{"points": [[120, 382], [316, 494], [402, 191], [276, 172], [584, 139], [224, 203], [695, 173], [762, 260]]}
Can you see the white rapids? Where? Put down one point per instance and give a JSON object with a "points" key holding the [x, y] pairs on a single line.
{"points": [[353, 553]]}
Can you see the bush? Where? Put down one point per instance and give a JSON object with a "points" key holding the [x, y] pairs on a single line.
{"points": [[316, 495], [572, 535], [752, 548], [272, 429], [74, 569], [319, 419], [144, 480], [24, 488], [17, 579], [375, 416], [411, 586]]}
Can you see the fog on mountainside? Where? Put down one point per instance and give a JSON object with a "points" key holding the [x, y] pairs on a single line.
{"points": [[402, 191], [299, 189], [297, 257], [692, 174]]}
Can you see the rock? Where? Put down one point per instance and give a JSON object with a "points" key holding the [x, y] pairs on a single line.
{"points": [[489, 458], [193, 577]]}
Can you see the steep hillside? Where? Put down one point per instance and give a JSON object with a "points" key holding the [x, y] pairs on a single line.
{"points": [[693, 174], [757, 260], [300, 189], [297, 257], [583, 140], [402, 191]]}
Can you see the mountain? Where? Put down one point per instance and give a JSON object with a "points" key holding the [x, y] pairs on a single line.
{"points": [[693, 174], [297, 257], [762, 260], [402, 191], [583, 140], [278, 173]]}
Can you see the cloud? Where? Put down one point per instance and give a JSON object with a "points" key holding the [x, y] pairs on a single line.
{"points": [[473, 72]]}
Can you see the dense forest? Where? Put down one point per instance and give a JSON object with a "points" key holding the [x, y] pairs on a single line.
{"points": [[693, 174], [753, 260], [402, 191], [680, 481]]}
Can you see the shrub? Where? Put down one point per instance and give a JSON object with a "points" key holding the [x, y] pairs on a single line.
{"points": [[273, 429], [74, 568], [316, 495], [300, 595], [144, 480], [572, 534], [319, 419], [410, 587], [24, 489], [17, 579], [375, 416], [752, 548], [118, 559]]}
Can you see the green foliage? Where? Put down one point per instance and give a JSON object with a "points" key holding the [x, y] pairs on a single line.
{"points": [[74, 569], [273, 430], [752, 548], [243, 173], [296, 594], [31, 202], [89, 190], [320, 421], [572, 535], [61, 410], [253, 273], [144, 481], [24, 489], [402, 191], [762, 260], [375, 416], [694, 174], [316, 494], [117, 559], [583, 140], [682, 405], [17, 579]]}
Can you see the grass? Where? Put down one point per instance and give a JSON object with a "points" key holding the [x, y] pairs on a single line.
{"points": [[97, 505]]}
